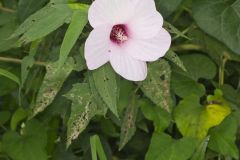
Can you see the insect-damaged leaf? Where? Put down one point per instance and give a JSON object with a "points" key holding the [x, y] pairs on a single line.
{"points": [[157, 85], [128, 126], [52, 83], [106, 82], [43, 22], [82, 110]]}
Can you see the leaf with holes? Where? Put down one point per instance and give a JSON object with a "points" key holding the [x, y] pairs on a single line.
{"points": [[106, 83], [157, 85], [51, 84], [82, 110], [128, 126], [43, 22]]}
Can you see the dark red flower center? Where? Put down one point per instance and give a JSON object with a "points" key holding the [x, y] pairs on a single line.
{"points": [[119, 34]]}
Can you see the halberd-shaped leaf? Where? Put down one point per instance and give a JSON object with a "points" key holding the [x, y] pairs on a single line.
{"points": [[194, 120], [28, 146], [163, 147]]}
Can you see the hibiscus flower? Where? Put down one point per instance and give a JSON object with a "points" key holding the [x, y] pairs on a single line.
{"points": [[126, 33]]}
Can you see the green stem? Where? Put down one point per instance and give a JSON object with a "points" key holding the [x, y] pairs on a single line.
{"points": [[19, 61], [187, 47], [222, 69], [7, 10]]}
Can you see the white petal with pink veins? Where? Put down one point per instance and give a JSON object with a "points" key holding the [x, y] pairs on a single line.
{"points": [[96, 47], [146, 26], [149, 49], [128, 67]]}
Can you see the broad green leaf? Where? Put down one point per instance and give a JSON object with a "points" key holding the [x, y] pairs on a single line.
{"points": [[184, 86], [201, 150], [9, 75], [161, 118], [106, 83], [27, 7], [215, 49], [128, 126], [7, 17], [157, 84], [199, 66], [82, 110], [43, 22], [166, 7], [96, 148], [78, 22], [173, 57], [223, 138], [4, 117], [30, 145], [163, 147], [222, 22], [194, 120], [51, 84], [19, 115]]}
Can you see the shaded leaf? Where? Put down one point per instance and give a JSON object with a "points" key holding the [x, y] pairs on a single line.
{"points": [[4, 117], [28, 146], [222, 22], [166, 7], [173, 57], [10, 75], [128, 126], [163, 147], [19, 115]]}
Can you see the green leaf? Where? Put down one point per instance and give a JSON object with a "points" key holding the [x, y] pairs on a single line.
{"points": [[157, 84], [28, 146], [163, 147], [10, 75], [27, 7], [166, 7], [19, 115], [96, 148], [106, 83], [199, 66], [173, 57], [43, 22], [51, 84], [4, 117], [223, 138], [82, 110], [128, 126], [201, 150], [184, 86], [78, 21], [222, 22], [194, 120], [161, 118]]}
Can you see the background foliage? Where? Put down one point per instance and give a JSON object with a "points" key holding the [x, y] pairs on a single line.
{"points": [[52, 107]]}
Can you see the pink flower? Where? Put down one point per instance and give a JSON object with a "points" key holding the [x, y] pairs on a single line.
{"points": [[127, 33]]}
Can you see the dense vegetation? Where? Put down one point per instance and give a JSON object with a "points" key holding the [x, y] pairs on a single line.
{"points": [[53, 107]]}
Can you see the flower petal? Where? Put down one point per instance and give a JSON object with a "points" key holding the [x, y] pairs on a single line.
{"points": [[96, 47], [143, 7], [128, 67], [110, 12], [149, 49], [146, 26]]}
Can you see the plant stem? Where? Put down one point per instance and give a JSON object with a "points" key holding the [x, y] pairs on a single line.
{"points": [[222, 69], [186, 47], [7, 10], [19, 61]]}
